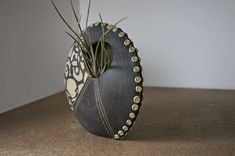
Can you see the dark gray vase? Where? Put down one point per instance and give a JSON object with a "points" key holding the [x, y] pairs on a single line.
{"points": [[108, 105]]}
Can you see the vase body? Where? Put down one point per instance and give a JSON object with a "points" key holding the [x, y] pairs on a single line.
{"points": [[107, 105]]}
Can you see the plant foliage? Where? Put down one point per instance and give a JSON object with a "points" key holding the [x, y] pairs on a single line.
{"points": [[97, 59]]}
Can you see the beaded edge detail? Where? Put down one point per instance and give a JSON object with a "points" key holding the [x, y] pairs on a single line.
{"points": [[137, 69]]}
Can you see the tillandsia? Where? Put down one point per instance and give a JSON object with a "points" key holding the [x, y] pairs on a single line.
{"points": [[97, 58]]}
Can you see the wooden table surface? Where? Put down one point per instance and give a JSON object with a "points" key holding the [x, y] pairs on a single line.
{"points": [[172, 122]]}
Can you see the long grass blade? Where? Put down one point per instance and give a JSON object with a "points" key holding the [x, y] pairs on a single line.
{"points": [[78, 22], [73, 38], [89, 37], [102, 58], [86, 60], [74, 12], [58, 12], [52, 1], [119, 21], [102, 40], [81, 47]]}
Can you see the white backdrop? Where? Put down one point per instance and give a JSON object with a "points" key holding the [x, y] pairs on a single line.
{"points": [[183, 43]]}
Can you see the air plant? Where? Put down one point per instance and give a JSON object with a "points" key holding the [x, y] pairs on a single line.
{"points": [[97, 58]]}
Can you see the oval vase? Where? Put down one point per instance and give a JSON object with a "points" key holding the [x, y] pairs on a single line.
{"points": [[108, 105]]}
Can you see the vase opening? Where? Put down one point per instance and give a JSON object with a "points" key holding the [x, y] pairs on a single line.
{"points": [[103, 58]]}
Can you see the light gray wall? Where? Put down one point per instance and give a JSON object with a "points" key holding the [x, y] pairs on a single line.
{"points": [[183, 43], [33, 47]]}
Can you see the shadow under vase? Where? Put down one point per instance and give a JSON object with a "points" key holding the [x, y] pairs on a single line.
{"points": [[185, 115]]}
